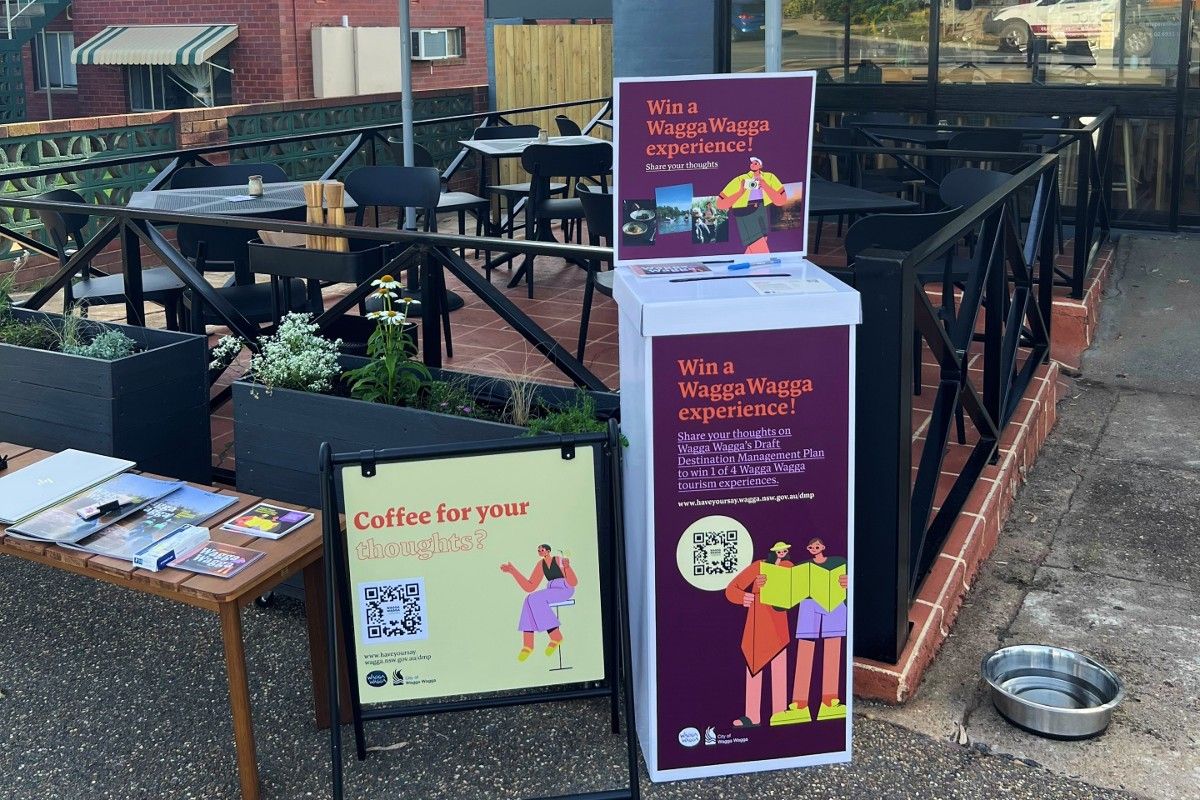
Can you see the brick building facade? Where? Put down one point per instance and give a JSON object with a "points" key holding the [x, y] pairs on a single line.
{"points": [[272, 56]]}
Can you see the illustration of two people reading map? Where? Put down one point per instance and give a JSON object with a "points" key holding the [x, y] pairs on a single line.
{"points": [[768, 589]]}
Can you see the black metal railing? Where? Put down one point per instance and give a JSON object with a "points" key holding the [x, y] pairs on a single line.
{"points": [[430, 253], [371, 138], [1089, 150], [1001, 328]]}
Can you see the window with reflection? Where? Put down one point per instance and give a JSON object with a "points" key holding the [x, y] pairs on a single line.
{"points": [[1060, 42], [860, 41]]}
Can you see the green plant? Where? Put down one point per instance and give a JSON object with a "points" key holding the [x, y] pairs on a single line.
{"points": [[25, 334], [452, 397], [577, 417], [107, 345], [390, 375], [296, 357]]}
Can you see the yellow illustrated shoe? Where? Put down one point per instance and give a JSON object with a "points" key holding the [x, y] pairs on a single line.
{"points": [[832, 710], [524, 654], [793, 716], [550, 648]]}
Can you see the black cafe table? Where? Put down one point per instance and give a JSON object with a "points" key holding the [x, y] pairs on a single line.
{"points": [[827, 199], [277, 198], [927, 138], [282, 199]]}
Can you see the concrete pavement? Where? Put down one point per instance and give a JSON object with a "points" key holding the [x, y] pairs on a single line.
{"points": [[1101, 553]]}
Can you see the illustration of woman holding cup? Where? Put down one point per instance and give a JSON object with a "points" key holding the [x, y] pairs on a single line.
{"points": [[537, 613], [748, 197]]}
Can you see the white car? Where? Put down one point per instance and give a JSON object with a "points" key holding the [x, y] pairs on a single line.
{"points": [[1061, 22]]}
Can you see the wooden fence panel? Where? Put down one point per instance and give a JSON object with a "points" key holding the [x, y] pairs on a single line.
{"points": [[541, 64]]}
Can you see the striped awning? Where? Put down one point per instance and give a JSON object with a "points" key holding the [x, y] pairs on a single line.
{"points": [[154, 44]]}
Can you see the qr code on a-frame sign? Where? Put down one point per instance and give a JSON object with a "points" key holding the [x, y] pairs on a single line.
{"points": [[714, 552], [393, 611]]}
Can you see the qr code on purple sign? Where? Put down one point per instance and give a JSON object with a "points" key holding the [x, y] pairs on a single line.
{"points": [[393, 611], [714, 552]]}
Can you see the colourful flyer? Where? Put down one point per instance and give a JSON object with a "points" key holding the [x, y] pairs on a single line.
{"points": [[712, 165], [474, 574]]}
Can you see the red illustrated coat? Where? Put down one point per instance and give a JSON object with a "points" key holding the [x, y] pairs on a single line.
{"points": [[766, 633]]}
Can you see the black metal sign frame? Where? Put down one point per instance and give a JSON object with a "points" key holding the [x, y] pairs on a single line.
{"points": [[613, 594]]}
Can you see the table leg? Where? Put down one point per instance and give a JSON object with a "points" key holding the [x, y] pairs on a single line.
{"points": [[239, 699], [318, 647]]}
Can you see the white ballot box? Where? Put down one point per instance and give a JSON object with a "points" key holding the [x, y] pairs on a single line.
{"points": [[737, 400]]}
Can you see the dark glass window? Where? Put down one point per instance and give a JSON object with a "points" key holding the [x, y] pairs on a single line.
{"points": [[158, 88], [52, 65]]}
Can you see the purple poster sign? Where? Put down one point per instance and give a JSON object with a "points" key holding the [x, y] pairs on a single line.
{"points": [[751, 556], [712, 165]]}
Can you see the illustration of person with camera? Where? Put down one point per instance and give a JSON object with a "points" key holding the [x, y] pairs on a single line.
{"points": [[747, 198]]}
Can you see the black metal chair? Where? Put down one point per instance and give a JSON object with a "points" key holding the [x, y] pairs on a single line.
{"points": [[1040, 143], [512, 193], [567, 126], [159, 285], [842, 169], [452, 202], [209, 245], [598, 212], [998, 141], [400, 188], [905, 232], [542, 162], [226, 175]]}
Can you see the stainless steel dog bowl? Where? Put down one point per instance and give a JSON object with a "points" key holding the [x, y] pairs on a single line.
{"points": [[1051, 691]]}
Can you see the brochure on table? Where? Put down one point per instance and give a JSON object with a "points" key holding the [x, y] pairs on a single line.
{"points": [[737, 387], [712, 167]]}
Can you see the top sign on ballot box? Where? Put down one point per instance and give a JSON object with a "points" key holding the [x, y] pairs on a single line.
{"points": [[737, 397]]}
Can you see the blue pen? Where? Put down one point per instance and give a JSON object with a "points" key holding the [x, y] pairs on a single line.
{"points": [[748, 265]]}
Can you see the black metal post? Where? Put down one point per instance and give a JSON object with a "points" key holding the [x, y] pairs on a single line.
{"points": [[433, 296], [1083, 179], [131, 254], [883, 455], [1182, 76]]}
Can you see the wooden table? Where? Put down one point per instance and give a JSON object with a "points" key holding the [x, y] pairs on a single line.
{"points": [[299, 551]]}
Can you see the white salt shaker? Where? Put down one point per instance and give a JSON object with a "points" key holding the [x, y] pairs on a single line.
{"points": [[543, 137], [255, 187]]}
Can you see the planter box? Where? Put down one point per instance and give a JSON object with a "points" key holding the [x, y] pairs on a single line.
{"points": [[150, 407], [278, 436]]}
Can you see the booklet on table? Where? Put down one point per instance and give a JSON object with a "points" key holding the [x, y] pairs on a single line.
{"points": [[187, 505], [62, 524], [219, 559], [268, 521]]}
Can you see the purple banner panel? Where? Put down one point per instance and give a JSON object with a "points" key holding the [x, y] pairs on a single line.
{"points": [[713, 165], [751, 440]]}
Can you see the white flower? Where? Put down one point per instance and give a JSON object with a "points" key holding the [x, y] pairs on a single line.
{"points": [[374, 314], [386, 282]]}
